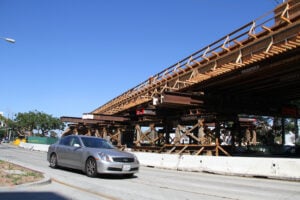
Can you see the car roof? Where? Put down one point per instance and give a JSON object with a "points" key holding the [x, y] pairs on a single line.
{"points": [[85, 136]]}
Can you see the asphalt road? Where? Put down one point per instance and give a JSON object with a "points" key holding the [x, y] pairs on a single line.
{"points": [[149, 183]]}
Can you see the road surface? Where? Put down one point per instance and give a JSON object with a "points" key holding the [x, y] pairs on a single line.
{"points": [[149, 183]]}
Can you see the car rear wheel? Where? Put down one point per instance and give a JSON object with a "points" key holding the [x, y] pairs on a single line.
{"points": [[91, 167], [53, 161]]}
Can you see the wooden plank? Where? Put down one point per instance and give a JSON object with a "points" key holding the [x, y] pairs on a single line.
{"points": [[171, 150], [223, 150], [184, 148], [161, 149], [200, 150]]}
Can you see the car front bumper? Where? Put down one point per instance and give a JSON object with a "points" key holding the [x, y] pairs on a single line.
{"points": [[117, 168]]}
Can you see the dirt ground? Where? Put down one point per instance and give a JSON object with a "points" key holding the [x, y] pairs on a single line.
{"points": [[12, 174]]}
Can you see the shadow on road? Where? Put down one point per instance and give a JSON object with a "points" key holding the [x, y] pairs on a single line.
{"points": [[31, 196], [103, 176]]}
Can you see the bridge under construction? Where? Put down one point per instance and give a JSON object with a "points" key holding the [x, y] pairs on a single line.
{"points": [[211, 96]]}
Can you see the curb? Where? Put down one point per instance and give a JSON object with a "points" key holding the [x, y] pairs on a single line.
{"points": [[46, 180]]}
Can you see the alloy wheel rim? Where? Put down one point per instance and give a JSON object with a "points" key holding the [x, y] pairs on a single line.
{"points": [[53, 160], [91, 167]]}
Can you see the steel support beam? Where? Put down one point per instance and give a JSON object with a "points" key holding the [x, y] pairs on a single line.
{"points": [[181, 99]]}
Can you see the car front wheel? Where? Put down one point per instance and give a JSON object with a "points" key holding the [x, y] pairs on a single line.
{"points": [[91, 167], [53, 161]]}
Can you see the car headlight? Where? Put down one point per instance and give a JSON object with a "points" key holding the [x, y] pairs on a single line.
{"points": [[105, 157], [136, 159]]}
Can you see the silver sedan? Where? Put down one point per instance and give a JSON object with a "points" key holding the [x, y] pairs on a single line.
{"points": [[92, 155]]}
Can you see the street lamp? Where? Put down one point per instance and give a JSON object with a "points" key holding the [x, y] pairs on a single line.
{"points": [[8, 40]]}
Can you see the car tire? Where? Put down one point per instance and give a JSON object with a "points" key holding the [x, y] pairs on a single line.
{"points": [[53, 160], [91, 167]]}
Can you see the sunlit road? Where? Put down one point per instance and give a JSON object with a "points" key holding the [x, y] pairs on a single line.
{"points": [[149, 183]]}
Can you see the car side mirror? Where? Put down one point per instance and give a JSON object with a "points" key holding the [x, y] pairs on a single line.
{"points": [[76, 145]]}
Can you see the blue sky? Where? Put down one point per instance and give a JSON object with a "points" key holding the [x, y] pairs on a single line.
{"points": [[72, 56]]}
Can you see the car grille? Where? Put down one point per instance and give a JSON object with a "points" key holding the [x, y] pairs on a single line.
{"points": [[124, 160], [114, 169], [120, 169]]}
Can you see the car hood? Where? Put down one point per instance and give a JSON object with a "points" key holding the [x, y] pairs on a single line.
{"points": [[113, 152]]}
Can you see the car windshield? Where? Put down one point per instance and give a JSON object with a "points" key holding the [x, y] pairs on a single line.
{"points": [[96, 143]]}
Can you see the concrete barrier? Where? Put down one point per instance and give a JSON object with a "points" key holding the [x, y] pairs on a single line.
{"points": [[34, 147], [244, 166], [277, 168], [155, 160]]}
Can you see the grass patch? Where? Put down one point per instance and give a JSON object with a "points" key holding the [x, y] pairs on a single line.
{"points": [[12, 174]]}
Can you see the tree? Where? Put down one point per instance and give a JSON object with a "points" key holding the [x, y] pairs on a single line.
{"points": [[2, 132], [2, 128], [25, 124]]}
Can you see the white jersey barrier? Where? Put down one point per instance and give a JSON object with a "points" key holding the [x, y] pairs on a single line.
{"points": [[34, 147], [278, 168]]}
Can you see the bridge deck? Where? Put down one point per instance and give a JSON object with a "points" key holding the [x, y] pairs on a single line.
{"points": [[266, 37]]}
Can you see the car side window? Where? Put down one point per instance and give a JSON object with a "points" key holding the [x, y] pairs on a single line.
{"points": [[66, 141], [75, 142]]}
